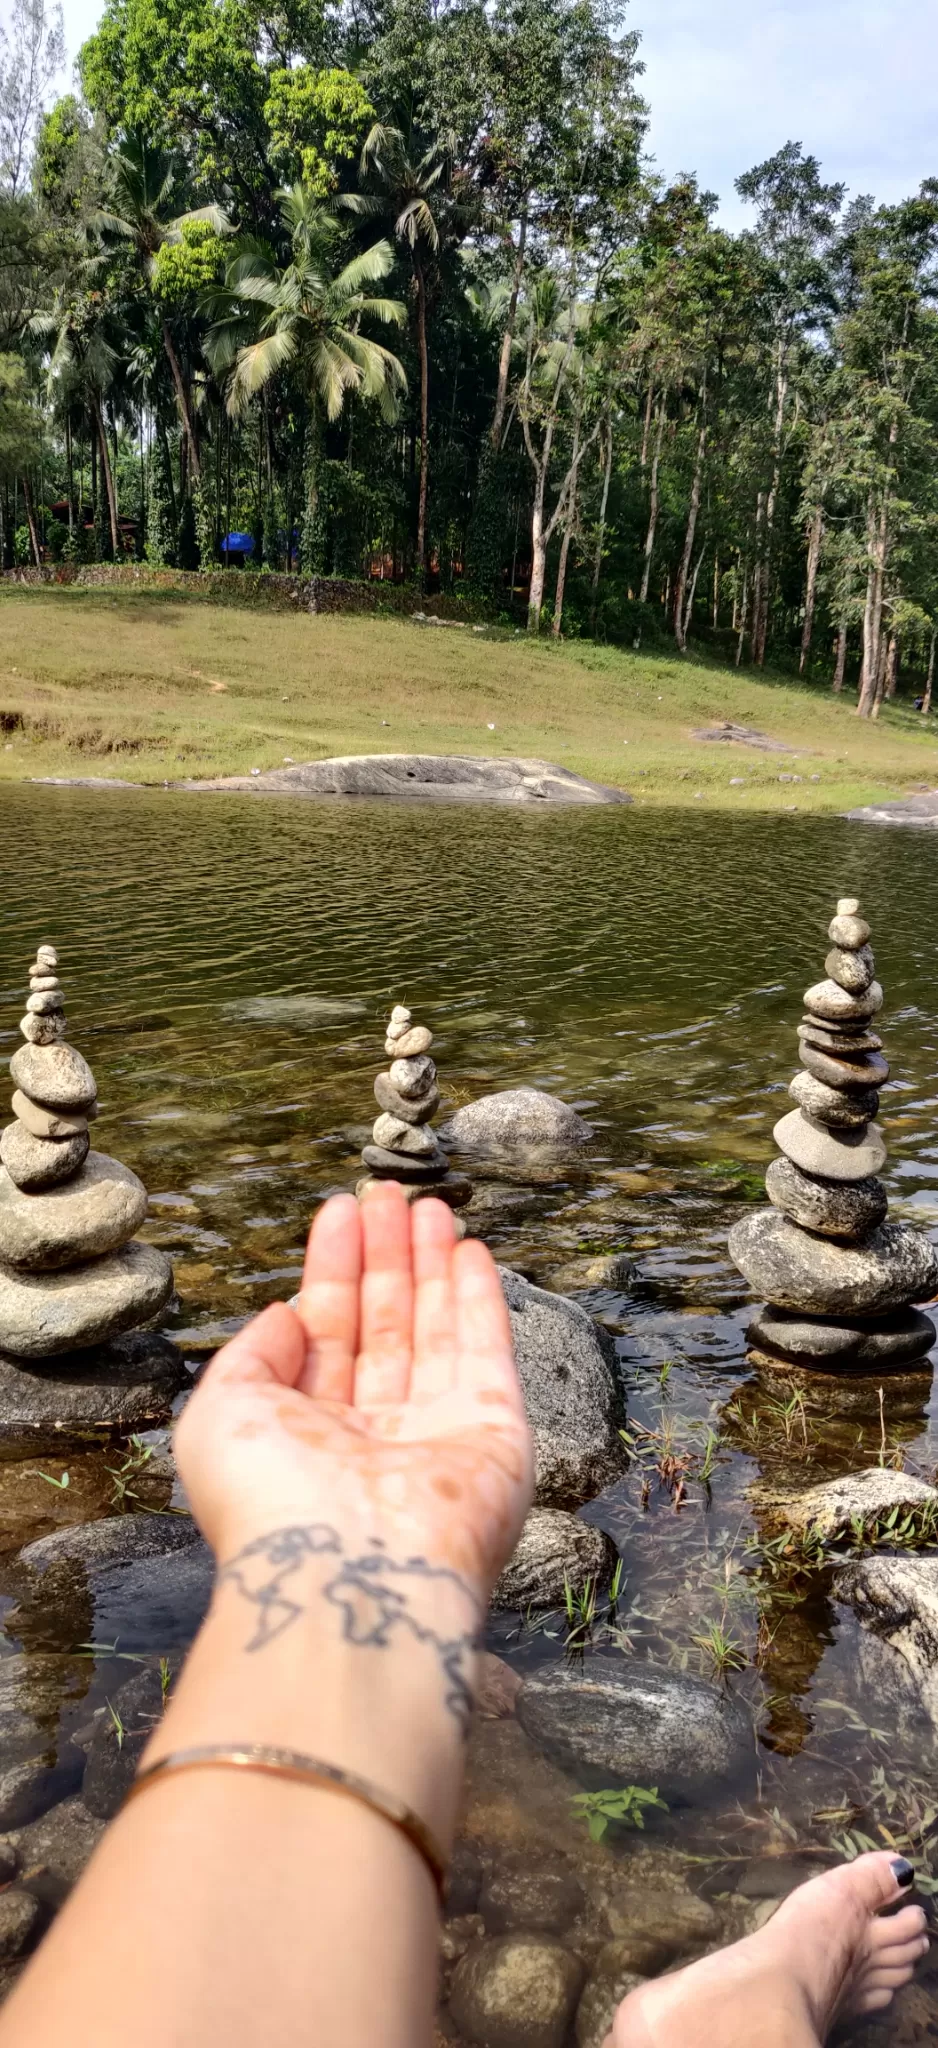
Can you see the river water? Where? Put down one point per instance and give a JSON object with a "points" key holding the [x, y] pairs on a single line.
{"points": [[228, 964]]}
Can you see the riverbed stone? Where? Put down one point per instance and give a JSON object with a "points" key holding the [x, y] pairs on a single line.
{"points": [[793, 1269], [20, 1917], [574, 1404], [609, 1983], [828, 999], [516, 1120], [854, 971], [412, 1078], [836, 1504], [867, 1071], [113, 1540], [28, 1789], [882, 1343], [541, 1900], [404, 1166], [43, 1315], [839, 1109], [410, 1044], [46, 1123], [54, 1075], [91, 1214], [832, 1208], [848, 930], [112, 1389], [395, 1135], [36, 1163], [516, 1991], [54, 1851], [43, 1030], [897, 1599], [844, 1155], [555, 1550], [629, 1722], [397, 1105]]}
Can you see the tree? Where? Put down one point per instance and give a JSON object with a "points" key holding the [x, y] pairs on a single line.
{"points": [[31, 55]]}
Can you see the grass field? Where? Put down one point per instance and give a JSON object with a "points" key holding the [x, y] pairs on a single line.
{"points": [[150, 686]]}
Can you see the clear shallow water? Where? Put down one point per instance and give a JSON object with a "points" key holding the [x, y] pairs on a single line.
{"points": [[228, 964]]}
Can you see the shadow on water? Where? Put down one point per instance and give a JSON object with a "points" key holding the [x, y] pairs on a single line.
{"points": [[228, 964]]}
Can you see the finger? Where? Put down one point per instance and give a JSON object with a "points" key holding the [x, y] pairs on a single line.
{"points": [[271, 1347], [329, 1300], [385, 1340], [485, 1353], [433, 1236]]}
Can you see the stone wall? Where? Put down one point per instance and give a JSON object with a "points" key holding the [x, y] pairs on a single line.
{"points": [[258, 591]]}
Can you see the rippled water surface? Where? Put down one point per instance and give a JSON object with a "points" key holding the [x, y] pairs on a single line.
{"points": [[228, 964]]}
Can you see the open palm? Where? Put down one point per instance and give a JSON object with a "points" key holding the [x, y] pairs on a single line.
{"points": [[388, 1406]]}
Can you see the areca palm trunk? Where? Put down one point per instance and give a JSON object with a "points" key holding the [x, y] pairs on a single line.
{"points": [[508, 334], [182, 401], [424, 424], [814, 557], [107, 473]]}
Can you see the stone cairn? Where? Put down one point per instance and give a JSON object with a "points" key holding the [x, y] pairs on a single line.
{"points": [[403, 1146], [838, 1279], [70, 1277]]}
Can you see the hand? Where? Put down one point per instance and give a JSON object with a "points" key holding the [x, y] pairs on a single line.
{"points": [[388, 1407]]}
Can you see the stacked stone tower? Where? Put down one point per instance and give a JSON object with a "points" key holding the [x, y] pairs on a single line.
{"points": [[403, 1147], [838, 1280], [71, 1273]]}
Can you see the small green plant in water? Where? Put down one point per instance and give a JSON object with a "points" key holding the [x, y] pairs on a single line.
{"points": [[722, 1650], [165, 1681], [626, 1807], [117, 1725], [581, 1612], [50, 1479], [123, 1491]]}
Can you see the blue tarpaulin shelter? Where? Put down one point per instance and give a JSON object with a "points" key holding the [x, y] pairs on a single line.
{"points": [[237, 544]]}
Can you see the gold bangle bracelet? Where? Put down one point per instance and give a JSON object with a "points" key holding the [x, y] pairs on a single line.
{"points": [[303, 1770]]}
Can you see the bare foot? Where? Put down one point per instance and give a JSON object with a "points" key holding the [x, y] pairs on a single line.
{"points": [[824, 1956]]}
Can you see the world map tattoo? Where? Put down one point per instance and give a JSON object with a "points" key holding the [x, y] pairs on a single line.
{"points": [[378, 1598]]}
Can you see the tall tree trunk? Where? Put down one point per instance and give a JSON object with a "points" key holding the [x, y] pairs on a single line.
{"points": [[424, 425], [696, 488], [757, 574], [716, 593], [31, 520], [182, 402], [508, 334], [815, 542], [892, 665], [538, 561], [873, 611], [881, 676], [653, 503], [601, 535], [646, 427], [70, 471], [689, 606], [108, 477], [561, 579], [929, 680], [761, 624], [743, 615], [840, 668]]}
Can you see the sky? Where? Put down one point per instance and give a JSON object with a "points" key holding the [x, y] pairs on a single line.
{"points": [[855, 81]]}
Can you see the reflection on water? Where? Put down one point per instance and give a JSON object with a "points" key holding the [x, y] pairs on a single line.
{"points": [[228, 965]]}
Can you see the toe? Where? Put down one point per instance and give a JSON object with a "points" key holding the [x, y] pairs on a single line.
{"points": [[889, 1976], [873, 2001]]}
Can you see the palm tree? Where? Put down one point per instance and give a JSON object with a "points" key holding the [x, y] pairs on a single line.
{"points": [[306, 316], [83, 341], [145, 213], [416, 195]]}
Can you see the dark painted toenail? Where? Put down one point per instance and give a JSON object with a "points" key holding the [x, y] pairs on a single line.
{"points": [[902, 1872]]}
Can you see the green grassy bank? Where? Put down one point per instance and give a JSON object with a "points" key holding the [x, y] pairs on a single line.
{"points": [[147, 686]]}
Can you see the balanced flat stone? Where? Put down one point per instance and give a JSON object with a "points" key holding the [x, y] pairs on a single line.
{"points": [[410, 1044], [840, 1109], [38, 982], [43, 1030], [112, 1389], [883, 1342], [868, 1071], [453, 1188], [401, 1166], [793, 1269], [44, 1315], [94, 1212], [44, 1002], [853, 971], [828, 999], [54, 1075], [34, 1163], [831, 1039], [846, 1155], [849, 931], [46, 1123], [412, 1078], [397, 1136], [833, 1208], [398, 1105]]}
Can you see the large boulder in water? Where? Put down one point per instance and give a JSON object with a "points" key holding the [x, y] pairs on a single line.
{"points": [[897, 1598], [555, 1550], [566, 1365], [630, 1723], [517, 1120]]}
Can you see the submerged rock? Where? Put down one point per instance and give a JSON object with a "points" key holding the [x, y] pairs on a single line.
{"points": [[886, 1343], [610, 1982], [116, 1388], [636, 1724], [518, 1991], [517, 1120], [836, 1504], [539, 1901], [571, 1396], [554, 1550], [53, 1851], [897, 1597]]}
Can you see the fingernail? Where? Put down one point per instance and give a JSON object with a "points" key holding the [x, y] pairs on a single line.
{"points": [[902, 1872]]}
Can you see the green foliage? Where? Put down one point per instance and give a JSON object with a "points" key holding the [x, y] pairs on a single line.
{"points": [[161, 528], [187, 268], [317, 121], [19, 421], [626, 1807]]}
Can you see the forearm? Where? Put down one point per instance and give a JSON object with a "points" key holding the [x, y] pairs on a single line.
{"points": [[226, 1906]]}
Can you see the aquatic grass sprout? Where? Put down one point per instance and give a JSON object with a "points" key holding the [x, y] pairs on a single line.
{"points": [[626, 1807]]}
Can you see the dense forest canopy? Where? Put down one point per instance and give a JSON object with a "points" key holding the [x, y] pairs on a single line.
{"points": [[389, 287]]}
